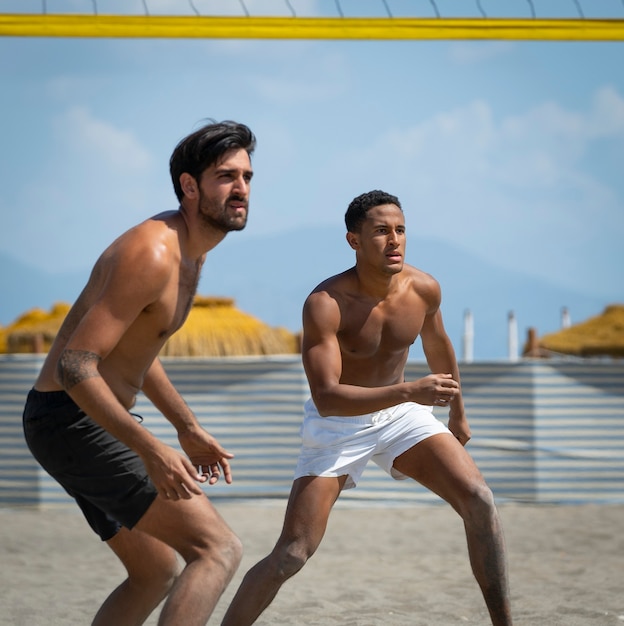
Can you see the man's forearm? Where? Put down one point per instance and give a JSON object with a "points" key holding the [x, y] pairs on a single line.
{"points": [[348, 400], [94, 396], [165, 397]]}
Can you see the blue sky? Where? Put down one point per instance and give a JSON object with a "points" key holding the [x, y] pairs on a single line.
{"points": [[512, 151]]}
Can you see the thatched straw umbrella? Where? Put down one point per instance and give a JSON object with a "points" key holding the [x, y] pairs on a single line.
{"points": [[602, 335], [216, 328], [35, 330]]}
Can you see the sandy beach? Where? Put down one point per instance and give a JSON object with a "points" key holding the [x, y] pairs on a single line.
{"points": [[378, 565]]}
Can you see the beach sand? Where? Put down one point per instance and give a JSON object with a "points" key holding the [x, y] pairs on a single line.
{"points": [[378, 565]]}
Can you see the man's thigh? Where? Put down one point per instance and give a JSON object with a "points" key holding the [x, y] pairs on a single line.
{"points": [[186, 524], [441, 464], [309, 505], [143, 556]]}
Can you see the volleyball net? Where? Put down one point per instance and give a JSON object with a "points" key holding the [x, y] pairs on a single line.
{"points": [[584, 20]]}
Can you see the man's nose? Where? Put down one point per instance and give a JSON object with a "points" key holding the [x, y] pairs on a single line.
{"points": [[241, 185], [393, 236]]}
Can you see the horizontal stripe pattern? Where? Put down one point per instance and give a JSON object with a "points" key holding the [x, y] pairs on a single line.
{"points": [[543, 431]]}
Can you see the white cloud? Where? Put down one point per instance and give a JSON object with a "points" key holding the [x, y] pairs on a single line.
{"points": [[101, 142], [607, 116], [288, 90], [514, 189], [92, 182]]}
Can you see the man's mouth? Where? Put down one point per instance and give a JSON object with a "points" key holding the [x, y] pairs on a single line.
{"points": [[238, 207]]}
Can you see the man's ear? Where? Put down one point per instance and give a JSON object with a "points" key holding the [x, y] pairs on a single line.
{"points": [[353, 241], [189, 185]]}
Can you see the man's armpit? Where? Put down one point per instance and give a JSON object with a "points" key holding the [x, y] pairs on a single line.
{"points": [[74, 366]]}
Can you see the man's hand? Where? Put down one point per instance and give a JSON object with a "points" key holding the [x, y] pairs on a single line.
{"points": [[206, 455], [441, 390], [458, 425], [436, 390], [172, 473]]}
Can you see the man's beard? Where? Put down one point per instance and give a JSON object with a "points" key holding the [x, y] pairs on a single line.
{"points": [[216, 216]]}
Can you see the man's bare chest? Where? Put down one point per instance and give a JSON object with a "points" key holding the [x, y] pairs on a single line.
{"points": [[377, 331], [171, 310]]}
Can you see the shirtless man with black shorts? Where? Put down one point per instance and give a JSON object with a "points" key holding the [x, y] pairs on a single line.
{"points": [[357, 330], [139, 495]]}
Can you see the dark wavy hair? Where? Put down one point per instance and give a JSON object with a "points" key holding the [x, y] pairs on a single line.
{"points": [[356, 212], [205, 147]]}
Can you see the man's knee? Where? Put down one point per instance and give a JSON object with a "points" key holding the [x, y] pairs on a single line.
{"points": [[149, 562], [163, 580], [477, 502], [226, 550], [289, 559], [158, 575], [233, 548]]}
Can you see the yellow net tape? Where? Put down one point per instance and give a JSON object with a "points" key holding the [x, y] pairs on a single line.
{"points": [[174, 27]]}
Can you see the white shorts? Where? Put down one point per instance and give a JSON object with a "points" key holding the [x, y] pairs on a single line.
{"points": [[335, 446]]}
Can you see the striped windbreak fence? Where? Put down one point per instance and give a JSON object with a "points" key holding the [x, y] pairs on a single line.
{"points": [[543, 431]]}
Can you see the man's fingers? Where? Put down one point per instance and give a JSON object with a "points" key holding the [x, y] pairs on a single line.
{"points": [[227, 471], [212, 472], [181, 491], [187, 486]]}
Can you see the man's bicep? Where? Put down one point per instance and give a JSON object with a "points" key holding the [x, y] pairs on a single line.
{"points": [[320, 346], [129, 287], [431, 324], [433, 332], [99, 330], [91, 341], [322, 364]]}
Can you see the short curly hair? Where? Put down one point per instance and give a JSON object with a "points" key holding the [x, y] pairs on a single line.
{"points": [[356, 212]]}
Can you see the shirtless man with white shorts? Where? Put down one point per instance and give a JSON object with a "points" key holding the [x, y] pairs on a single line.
{"points": [[358, 327], [139, 495]]}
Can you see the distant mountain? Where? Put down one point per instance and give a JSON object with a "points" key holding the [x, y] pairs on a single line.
{"points": [[23, 287], [270, 277]]}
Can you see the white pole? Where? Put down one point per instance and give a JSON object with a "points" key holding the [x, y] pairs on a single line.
{"points": [[512, 337], [468, 345], [565, 318]]}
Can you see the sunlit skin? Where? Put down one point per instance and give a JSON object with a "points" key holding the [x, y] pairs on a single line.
{"points": [[367, 331], [381, 241], [139, 293], [224, 193], [358, 327], [224, 189]]}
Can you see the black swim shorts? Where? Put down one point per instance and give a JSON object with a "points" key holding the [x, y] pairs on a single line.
{"points": [[106, 478]]}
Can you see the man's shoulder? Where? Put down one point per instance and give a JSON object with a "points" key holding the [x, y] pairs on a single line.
{"points": [[337, 282], [150, 248], [413, 273], [153, 232], [421, 283], [327, 295], [155, 224]]}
